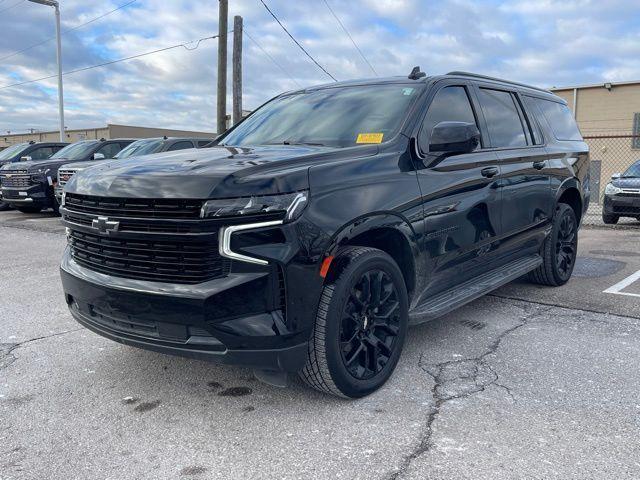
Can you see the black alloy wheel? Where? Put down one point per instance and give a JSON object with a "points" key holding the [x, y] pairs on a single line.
{"points": [[566, 246], [370, 325]]}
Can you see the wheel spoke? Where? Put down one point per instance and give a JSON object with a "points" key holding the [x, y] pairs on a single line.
{"points": [[354, 354]]}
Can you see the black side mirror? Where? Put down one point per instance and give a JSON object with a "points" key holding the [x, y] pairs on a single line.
{"points": [[454, 138]]}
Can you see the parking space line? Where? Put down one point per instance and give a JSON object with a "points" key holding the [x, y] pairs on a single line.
{"points": [[618, 287]]}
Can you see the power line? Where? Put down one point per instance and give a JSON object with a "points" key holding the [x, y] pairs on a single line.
{"points": [[66, 31], [271, 58], [83, 69], [11, 6], [297, 43], [350, 37]]}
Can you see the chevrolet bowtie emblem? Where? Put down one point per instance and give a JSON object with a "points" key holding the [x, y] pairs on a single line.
{"points": [[105, 226]]}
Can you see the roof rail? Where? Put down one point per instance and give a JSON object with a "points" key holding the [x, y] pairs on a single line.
{"points": [[486, 77]]}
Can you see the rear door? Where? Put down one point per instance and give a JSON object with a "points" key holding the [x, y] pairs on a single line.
{"points": [[525, 182], [461, 195]]}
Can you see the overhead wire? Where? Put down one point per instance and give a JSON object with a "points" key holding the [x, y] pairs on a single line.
{"points": [[11, 6], [67, 31], [296, 42], [271, 58], [132, 57], [350, 37]]}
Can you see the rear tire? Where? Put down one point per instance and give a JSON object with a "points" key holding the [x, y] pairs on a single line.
{"points": [[610, 219], [30, 209], [560, 249], [361, 324], [4, 206]]}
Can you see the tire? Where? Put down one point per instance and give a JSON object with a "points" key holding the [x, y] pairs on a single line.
{"points": [[30, 209], [610, 219], [56, 206], [4, 206], [559, 250], [350, 330]]}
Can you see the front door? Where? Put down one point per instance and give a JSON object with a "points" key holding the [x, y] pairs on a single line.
{"points": [[461, 197]]}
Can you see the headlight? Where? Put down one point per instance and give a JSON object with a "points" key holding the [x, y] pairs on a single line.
{"points": [[611, 189], [289, 205]]}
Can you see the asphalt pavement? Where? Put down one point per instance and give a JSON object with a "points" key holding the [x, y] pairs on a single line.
{"points": [[528, 382]]}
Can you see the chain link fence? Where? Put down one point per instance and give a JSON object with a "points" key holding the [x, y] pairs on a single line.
{"points": [[610, 154]]}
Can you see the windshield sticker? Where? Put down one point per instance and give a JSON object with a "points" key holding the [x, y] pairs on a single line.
{"points": [[370, 138], [407, 91]]}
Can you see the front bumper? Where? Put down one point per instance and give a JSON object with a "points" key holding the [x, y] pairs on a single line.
{"points": [[623, 205], [228, 320], [36, 195]]}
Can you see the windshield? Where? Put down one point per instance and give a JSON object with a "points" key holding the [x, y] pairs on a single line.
{"points": [[12, 151], [633, 171], [141, 147], [335, 117], [76, 151]]}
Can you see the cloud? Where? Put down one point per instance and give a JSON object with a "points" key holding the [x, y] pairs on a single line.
{"points": [[545, 43]]}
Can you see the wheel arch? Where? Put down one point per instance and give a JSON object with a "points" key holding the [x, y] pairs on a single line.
{"points": [[388, 232], [570, 192]]}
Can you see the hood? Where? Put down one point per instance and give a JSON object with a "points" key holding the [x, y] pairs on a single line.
{"points": [[216, 172], [33, 166], [628, 182], [82, 165]]}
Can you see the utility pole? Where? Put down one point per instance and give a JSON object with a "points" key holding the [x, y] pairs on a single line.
{"points": [[222, 65], [237, 69]]}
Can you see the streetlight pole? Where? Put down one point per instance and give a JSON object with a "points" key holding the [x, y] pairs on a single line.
{"points": [[56, 6]]}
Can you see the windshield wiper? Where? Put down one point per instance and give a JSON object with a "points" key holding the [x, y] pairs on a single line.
{"points": [[292, 142]]}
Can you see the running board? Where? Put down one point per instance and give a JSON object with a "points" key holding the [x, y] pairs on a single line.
{"points": [[468, 291]]}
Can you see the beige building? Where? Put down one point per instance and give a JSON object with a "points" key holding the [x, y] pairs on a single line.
{"points": [[608, 115], [108, 132]]}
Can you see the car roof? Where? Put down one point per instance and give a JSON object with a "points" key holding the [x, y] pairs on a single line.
{"points": [[405, 80]]}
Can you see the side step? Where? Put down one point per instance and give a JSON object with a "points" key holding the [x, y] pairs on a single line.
{"points": [[468, 291]]}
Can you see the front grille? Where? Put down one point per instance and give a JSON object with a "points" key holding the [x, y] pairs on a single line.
{"points": [[64, 176], [175, 261], [15, 181], [134, 207]]}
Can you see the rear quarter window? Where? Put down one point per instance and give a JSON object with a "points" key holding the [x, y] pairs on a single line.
{"points": [[560, 119]]}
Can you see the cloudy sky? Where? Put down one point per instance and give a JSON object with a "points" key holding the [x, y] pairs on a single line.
{"points": [[543, 42]]}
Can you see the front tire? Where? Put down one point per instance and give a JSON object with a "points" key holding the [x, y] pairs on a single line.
{"points": [[4, 206], [610, 219], [360, 327], [560, 249]]}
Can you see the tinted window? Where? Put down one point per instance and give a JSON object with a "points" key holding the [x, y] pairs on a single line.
{"points": [[503, 121], [633, 171], [76, 151], [109, 150], [180, 146], [451, 104], [534, 114], [203, 143], [560, 119], [141, 147], [332, 116], [41, 153]]}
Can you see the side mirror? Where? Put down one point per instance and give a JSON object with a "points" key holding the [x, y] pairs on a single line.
{"points": [[26, 158], [616, 176], [99, 156], [454, 138]]}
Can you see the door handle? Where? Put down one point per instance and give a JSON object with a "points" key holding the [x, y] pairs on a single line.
{"points": [[539, 165], [489, 172]]}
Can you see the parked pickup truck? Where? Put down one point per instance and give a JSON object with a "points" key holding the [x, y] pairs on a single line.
{"points": [[29, 186], [28, 151], [138, 148]]}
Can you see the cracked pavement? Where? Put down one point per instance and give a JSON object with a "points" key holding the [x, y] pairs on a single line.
{"points": [[525, 383]]}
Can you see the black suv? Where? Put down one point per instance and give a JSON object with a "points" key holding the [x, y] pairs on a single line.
{"points": [[147, 146], [320, 227], [622, 195], [29, 186], [28, 151]]}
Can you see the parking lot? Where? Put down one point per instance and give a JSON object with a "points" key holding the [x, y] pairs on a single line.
{"points": [[529, 382]]}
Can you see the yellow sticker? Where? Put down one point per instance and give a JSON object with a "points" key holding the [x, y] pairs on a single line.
{"points": [[370, 138]]}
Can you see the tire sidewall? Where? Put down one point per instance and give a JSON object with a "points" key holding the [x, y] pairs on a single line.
{"points": [[563, 210], [344, 381]]}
